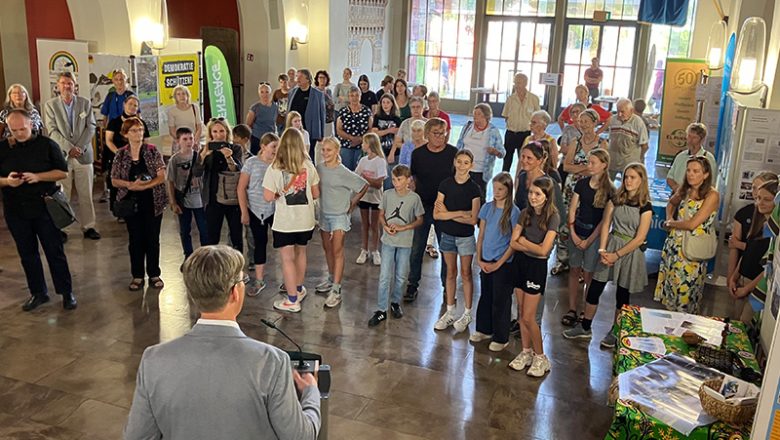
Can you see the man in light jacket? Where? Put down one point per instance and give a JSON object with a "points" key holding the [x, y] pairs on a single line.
{"points": [[215, 382], [70, 122]]}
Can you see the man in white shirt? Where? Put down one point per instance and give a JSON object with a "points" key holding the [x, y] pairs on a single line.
{"points": [[215, 382], [696, 133], [518, 109]]}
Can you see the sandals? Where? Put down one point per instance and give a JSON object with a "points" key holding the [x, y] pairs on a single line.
{"points": [[156, 283], [136, 285], [570, 318], [559, 268], [432, 251]]}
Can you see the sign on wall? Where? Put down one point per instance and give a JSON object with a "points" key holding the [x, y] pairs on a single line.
{"points": [[175, 70], [680, 81], [56, 56], [219, 85]]}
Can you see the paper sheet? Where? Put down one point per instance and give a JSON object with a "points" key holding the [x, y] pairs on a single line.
{"points": [[675, 324]]}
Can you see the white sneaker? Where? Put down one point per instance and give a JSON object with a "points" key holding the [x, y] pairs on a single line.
{"points": [[377, 258], [445, 321], [479, 337], [361, 259], [333, 299], [495, 346], [539, 366], [462, 323], [324, 287], [287, 306], [522, 361]]}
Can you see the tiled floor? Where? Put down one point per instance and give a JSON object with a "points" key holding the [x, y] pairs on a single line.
{"points": [[71, 375]]}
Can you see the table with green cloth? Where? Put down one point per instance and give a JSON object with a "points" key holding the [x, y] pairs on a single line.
{"points": [[632, 423]]}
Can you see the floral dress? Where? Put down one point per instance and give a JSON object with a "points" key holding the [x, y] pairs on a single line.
{"points": [[681, 281]]}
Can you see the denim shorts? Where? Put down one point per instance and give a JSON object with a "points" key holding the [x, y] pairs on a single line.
{"points": [[461, 245], [335, 222]]}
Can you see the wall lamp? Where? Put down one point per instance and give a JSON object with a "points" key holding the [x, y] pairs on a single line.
{"points": [[747, 75], [716, 45]]}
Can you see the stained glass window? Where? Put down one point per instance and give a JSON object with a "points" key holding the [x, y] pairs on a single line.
{"points": [[441, 46]]}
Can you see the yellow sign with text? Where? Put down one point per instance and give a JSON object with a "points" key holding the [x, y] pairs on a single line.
{"points": [[681, 78], [174, 70]]}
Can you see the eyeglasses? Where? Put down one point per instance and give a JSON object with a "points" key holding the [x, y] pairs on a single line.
{"points": [[220, 119], [136, 130], [438, 133], [265, 83], [244, 280]]}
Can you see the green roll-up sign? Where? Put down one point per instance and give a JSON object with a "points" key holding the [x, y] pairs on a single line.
{"points": [[219, 85]]}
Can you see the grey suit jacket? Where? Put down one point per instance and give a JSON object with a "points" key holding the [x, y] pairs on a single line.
{"points": [[55, 119], [217, 383]]}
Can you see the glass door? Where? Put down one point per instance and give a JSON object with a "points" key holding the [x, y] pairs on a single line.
{"points": [[516, 45], [612, 44]]}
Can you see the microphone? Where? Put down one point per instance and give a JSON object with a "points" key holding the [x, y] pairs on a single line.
{"points": [[301, 363]]}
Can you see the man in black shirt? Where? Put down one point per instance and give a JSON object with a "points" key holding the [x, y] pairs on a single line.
{"points": [[29, 167], [310, 103], [431, 164]]}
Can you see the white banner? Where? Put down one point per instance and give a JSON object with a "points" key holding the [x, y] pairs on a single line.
{"points": [[55, 56], [101, 67]]}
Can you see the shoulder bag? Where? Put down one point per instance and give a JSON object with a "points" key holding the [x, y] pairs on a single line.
{"points": [[179, 196], [59, 209], [698, 247]]}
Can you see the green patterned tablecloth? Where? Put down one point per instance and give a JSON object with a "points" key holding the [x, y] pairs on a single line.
{"points": [[631, 423]]}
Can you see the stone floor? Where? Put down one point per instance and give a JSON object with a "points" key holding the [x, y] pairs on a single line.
{"points": [[71, 375]]}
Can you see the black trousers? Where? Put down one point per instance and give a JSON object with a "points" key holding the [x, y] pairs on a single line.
{"points": [[260, 234], [27, 233], [143, 230], [494, 310], [513, 140], [216, 213]]}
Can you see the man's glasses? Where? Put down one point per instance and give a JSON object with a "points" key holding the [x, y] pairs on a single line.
{"points": [[244, 280], [438, 133]]}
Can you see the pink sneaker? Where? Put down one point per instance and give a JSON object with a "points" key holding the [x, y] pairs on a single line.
{"points": [[286, 306]]}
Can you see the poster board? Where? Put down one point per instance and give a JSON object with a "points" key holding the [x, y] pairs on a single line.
{"points": [[146, 75], [55, 56], [101, 68], [175, 70], [681, 78]]}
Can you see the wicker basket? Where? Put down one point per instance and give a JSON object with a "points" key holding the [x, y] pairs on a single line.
{"points": [[732, 414]]}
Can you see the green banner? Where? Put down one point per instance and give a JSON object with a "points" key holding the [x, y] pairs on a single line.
{"points": [[219, 85]]}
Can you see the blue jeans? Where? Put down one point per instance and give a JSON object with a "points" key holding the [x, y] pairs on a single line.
{"points": [[350, 157], [185, 228], [418, 250], [395, 265]]}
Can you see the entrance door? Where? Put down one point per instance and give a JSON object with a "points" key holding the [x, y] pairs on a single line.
{"points": [[613, 44], [516, 45]]}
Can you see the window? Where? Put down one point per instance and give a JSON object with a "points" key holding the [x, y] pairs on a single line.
{"points": [[619, 9], [525, 8], [669, 42], [441, 47]]}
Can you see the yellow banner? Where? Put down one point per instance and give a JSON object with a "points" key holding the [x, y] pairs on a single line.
{"points": [[178, 69], [679, 105]]}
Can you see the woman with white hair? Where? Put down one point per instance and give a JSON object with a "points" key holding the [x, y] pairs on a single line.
{"points": [[17, 97], [484, 141], [183, 114]]}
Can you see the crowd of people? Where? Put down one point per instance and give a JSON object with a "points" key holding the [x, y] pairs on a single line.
{"points": [[310, 154]]}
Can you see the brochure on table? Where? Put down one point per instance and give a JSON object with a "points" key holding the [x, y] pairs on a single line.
{"points": [[675, 324]]}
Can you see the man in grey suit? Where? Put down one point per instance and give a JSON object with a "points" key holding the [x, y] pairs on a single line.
{"points": [[70, 122], [215, 382]]}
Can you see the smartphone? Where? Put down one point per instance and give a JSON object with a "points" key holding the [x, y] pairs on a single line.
{"points": [[145, 177], [213, 146]]}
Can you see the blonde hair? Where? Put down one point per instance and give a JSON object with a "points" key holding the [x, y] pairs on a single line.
{"points": [[183, 89], [27, 103], [332, 141], [289, 153], [642, 195], [505, 223], [374, 144], [292, 114], [219, 121], [604, 189]]}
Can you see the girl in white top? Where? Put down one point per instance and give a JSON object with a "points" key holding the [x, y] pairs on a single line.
{"points": [[294, 120], [373, 168], [184, 114], [292, 182]]}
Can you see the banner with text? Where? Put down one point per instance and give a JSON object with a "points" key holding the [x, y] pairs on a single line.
{"points": [[175, 70], [219, 85], [679, 109], [56, 56]]}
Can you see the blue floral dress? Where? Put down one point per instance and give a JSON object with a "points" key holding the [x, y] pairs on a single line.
{"points": [[681, 281]]}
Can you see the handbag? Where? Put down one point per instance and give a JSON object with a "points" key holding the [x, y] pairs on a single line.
{"points": [[227, 187], [59, 209], [698, 247], [179, 196], [126, 207]]}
